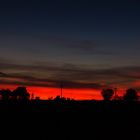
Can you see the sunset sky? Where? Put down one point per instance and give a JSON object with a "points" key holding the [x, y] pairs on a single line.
{"points": [[87, 45]]}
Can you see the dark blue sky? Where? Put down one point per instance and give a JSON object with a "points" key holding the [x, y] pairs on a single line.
{"points": [[66, 39]]}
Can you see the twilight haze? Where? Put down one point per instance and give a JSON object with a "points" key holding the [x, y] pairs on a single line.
{"points": [[86, 45]]}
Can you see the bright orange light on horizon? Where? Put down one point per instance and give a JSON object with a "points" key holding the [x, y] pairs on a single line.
{"points": [[77, 94], [45, 93]]}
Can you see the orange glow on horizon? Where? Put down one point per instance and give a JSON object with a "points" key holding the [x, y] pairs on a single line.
{"points": [[77, 94]]}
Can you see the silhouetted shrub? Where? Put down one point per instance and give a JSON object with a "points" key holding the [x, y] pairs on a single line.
{"points": [[5, 94], [107, 94], [21, 93], [131, 95], [57, 98]]}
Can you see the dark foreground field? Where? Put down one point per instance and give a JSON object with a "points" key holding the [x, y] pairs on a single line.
{"points": [[70, 120]]}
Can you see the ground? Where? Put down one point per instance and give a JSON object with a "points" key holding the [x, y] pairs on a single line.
{"points": [[44, 120]]}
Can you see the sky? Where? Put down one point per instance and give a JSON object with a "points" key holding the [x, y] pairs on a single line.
{"points": [[86, 45]]}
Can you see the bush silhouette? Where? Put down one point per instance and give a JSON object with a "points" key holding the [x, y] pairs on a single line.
{"points": [[21, 93], [107, 94], [131, 95], [5, 94]]}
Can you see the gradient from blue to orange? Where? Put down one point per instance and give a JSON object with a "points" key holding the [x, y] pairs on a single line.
{"points": [[87, 45]]}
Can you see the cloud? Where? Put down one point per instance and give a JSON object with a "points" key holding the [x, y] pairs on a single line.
{"points": [[72, 76], [80, 46], [3, 74], [51, 75], [41, 43], [32, 81]]}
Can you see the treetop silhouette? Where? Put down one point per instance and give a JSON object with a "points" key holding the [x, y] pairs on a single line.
{"points": [[131, 95], [21, 93], [107, 94]]}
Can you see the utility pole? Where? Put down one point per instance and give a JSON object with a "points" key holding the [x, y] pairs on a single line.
{"points": [[61, 87], [115, 92]]}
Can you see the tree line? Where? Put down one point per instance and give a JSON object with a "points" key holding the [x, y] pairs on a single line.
{"points": [[130, 95], [21, 93]]}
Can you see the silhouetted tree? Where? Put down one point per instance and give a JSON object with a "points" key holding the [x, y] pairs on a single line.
{"points": [[50, 98], [107, 94], [5, 94], [21, 93], [57, 98], [131, 95], [37, 98]]}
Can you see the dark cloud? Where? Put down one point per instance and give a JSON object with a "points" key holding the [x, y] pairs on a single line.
{"points": [[32, 81], [71, 75], [33, 43], [79, 46], [3, 74]]}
